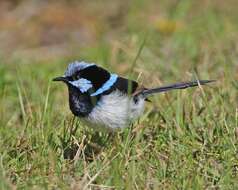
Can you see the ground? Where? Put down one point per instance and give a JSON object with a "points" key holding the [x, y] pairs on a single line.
{"points": [[185, 139]]}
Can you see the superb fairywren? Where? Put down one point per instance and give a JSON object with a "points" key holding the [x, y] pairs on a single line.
{"points": [[106, 99]]}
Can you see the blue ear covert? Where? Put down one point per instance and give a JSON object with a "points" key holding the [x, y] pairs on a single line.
{"points": [[82, 84]]}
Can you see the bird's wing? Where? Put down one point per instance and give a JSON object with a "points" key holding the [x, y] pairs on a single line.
{"points": [[123, 85]]}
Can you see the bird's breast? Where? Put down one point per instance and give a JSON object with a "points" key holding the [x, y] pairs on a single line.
{"points": [[81, 104], [116, 110]]}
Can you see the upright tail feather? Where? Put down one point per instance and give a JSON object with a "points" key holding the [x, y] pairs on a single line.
{"points": [[183, 85]]}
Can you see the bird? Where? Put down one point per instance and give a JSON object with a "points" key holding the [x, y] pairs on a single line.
{"points": [[107, 100]]}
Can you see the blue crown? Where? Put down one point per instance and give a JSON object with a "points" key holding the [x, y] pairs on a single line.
{"points": [[76, 66]]}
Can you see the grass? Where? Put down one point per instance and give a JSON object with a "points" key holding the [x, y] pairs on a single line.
{"points": [[185, 139]]}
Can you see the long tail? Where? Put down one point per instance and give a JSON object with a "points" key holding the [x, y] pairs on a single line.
{"points": [[183, 85]]}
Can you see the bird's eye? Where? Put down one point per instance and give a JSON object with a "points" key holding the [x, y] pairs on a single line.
{"points": [[75, 77]]}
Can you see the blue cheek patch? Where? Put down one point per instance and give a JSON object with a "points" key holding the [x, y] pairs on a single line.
{"points": [[82, 84], [106, 86]]}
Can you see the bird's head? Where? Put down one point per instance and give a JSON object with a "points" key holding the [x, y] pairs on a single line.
{"points": [[74, 76]]}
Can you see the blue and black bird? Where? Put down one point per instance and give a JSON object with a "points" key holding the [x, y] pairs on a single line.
{"points": [[106, 99]]}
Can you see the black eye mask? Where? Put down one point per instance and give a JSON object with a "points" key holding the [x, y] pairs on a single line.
{"points": [[75, 76], [97, 75]]}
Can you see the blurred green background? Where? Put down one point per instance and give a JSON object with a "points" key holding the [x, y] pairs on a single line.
{"points": [[185, 140]]}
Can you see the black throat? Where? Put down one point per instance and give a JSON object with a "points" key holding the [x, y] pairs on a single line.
{"points": [[81, 104]]}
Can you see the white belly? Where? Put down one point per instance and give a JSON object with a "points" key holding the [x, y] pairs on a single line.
{"points": [[116, 110]]}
